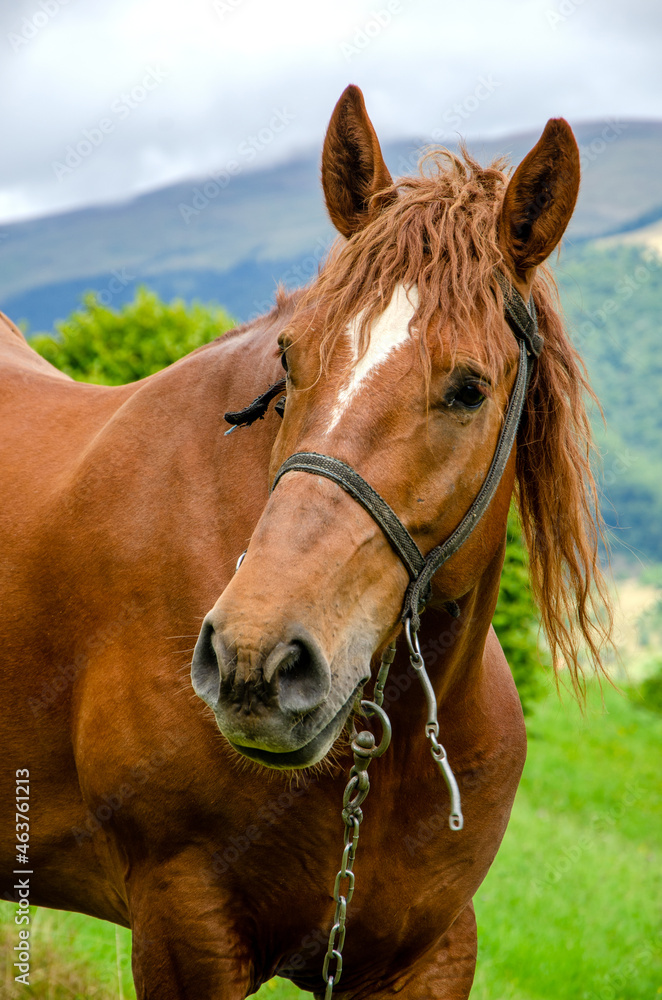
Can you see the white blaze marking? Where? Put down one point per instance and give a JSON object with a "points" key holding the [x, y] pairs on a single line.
{"points": [[389, 331]]}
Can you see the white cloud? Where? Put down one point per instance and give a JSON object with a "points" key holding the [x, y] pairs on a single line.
{"points": [[231, 63]]}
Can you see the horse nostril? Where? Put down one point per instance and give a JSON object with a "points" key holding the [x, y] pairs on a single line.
{"points": [[293, 679], [301, 675], [205, 669]]}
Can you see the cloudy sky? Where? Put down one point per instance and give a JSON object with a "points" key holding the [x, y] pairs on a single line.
{"points": [[102, 100]]}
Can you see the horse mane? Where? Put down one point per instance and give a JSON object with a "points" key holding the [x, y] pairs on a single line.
{"points": [[440, 236], [558, 500]]}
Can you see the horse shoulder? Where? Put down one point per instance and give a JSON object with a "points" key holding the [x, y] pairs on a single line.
{"points": [[502, 715]]}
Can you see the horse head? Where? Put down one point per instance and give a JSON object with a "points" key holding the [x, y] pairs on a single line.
{"points": [[399, 362]]}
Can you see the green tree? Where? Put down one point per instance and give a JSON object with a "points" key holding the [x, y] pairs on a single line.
{"points": [[111, 347], [516, 620]]}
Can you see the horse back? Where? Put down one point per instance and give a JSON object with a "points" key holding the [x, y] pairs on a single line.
{"points": [[46, 419], [16, 353]]}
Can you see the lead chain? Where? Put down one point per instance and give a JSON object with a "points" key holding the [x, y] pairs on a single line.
{"points": [[356, 791], [358, 786]]}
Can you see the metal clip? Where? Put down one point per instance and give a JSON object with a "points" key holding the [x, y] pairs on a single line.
{"points": [[439, 755]]}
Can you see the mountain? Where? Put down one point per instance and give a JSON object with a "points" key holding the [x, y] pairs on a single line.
{"points": [[233, 238]]}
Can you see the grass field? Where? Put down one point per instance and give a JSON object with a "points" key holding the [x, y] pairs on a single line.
{"points": [[572, 907]]}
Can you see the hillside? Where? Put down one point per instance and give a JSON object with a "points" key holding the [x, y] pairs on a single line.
{"points": [[233, 243], [612, 300]]}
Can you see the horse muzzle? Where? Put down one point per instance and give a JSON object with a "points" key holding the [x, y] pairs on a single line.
{"points": [[274, 705]]}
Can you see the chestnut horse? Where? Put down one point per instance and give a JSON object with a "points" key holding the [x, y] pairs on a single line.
{"points": [[125, 510]]}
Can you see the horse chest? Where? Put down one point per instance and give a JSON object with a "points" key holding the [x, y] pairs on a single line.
{"points": [[399, 910], [413, 876]]}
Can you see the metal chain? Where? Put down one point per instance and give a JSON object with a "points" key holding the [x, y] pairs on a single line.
{"points": [[356, 791], [358, 786]]}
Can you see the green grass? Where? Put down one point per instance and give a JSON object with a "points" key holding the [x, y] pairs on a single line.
{"points": [[571, 908]]}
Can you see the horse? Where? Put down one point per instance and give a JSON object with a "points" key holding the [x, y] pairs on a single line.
{"points": [[206, 812]]}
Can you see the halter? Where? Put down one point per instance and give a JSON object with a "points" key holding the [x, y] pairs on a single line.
{"points": [[523, 322]]}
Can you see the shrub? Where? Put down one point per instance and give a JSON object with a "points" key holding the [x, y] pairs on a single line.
{"points": [[648, 694], [516, 620], [111, 347]]}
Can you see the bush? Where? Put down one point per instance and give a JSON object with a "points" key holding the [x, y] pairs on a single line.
{"points": [[648, 694], [651, 691], [111, 347]]}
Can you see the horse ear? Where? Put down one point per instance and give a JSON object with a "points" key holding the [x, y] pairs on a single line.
{"points": [[540, 199], [353, 168]]}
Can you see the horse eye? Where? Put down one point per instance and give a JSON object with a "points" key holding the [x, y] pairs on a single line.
{"points": [[283, 360], [469, 396]]}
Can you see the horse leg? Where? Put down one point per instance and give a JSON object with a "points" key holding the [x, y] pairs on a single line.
{"points": [[450, 974], [447, 973], [184, 947]]}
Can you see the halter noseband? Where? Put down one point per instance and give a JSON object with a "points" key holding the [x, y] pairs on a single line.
{"points": [[523, 322]]}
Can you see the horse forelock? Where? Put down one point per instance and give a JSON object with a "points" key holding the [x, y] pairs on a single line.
{"points": [[440, 238]]}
